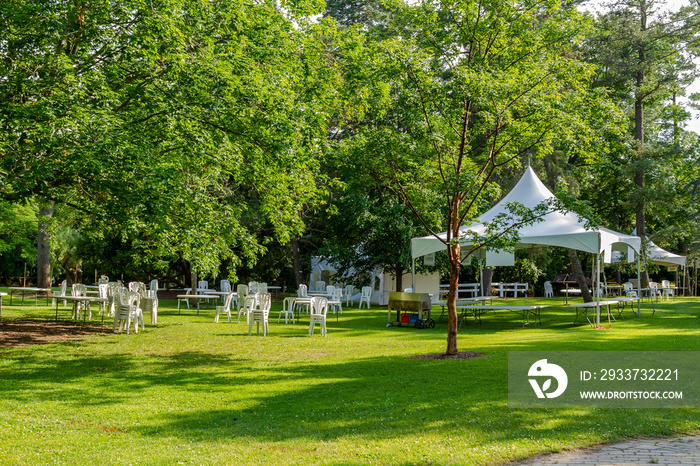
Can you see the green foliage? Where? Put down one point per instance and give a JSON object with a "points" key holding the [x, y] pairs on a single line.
{"points": [[18, 231], [169, 123], [454, 105]]}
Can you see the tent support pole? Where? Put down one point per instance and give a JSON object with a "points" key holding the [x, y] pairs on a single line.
{"points": [[596, 290], [639, 286], [481, 278], [413, 275]]}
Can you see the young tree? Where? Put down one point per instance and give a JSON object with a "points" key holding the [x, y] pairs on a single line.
{"points": [[470, 88]]}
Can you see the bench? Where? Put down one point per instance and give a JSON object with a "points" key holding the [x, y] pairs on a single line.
{"points": [[515, 288]]}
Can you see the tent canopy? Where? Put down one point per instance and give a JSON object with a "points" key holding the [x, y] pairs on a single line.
{"points": [[663, 257], [560, 229], [657, 255]]}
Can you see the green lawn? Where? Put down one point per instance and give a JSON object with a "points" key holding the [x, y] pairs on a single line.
{"points": [[193, 392]]}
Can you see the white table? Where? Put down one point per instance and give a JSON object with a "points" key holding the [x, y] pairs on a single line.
{"points": [[196, 297], [463, 303], [610, 289], [582, 308], [222, 294], [86, 300], [525, 310], [623, 300], [28, 289], [275, 289]]}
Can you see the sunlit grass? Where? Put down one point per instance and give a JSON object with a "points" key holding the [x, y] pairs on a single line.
{"points": [[193, 392]]}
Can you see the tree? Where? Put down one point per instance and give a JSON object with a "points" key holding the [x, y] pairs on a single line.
{"points": [[646, 59], [470, 88], [167, 122]]}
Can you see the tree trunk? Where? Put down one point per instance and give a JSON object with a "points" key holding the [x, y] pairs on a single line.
{"points": [[454, 252], [296, 258], [580, 278], [455, 265], [74, 274], [398, 271], [639, 137], [43, 256], [187, 278], [486, 278], [685, 281]]}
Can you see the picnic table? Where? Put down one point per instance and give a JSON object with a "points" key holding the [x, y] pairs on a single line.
{"points": [[525, 310], [29, 289]]}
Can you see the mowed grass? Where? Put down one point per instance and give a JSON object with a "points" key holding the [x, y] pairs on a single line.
{"points": [[190, 391]]}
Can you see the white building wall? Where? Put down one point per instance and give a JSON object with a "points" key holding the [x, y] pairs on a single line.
{"points": [[424, 284]]}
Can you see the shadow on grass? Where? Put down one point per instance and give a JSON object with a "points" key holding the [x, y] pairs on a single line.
{"points": [[302, 392]]}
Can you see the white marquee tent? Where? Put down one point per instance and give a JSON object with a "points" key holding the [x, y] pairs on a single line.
{"points": [[561, 229], [660, 256]]}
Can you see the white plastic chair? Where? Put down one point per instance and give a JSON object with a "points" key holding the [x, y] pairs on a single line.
{"points": [[666, 290], [103, 289], [262, 287], [252, 287], [225, 285], [349, 294], [320, 286], [148, 299], [287, 310], [366, 295], [202, 286], [303, 300], [654, 291], [151, 300], [330, 289], [548, 290], [225, 309], [260, 314], [64, 286], [319, 310], [128, 310], [79, 289], [185, 300], [249, 303], [629, 290], [241, 293], [114, 288], [336, 301]]}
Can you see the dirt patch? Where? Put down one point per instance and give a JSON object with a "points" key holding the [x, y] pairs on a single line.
{"points": [[30, 332], [459, 355]]}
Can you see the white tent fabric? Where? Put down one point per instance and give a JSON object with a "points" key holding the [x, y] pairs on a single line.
{"points": [[556, 229], [657, 255], [660, 256]]}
